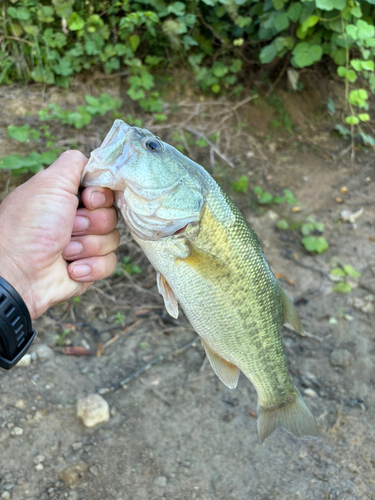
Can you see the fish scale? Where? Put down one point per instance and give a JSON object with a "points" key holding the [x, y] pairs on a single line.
{"points": [[210, 263]]}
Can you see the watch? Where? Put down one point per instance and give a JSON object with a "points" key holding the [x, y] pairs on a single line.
{"points": [[16, 333]]}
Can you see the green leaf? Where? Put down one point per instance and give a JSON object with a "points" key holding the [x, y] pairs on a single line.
{"points": [[278, 4], [306, 55], [215, 88], [45, 14], [265, 198], [281, 21], [202, 143], [75, 22], [364, 117], [337, 271], [365, 30], [219, 69], [316, 244], [309, 22], [177, 8], [350, 271], [358, 97], [352, 31], [134, 41], [289, 196], [23, 133], [342, 130], [294, 11], [282, 224], [341, 71], [319, 226], [241, 185], [357, 64], [352, 120], [267, 54], [342, 287], [368, 65], [330, 4], [351, 76], [307, 228], [23, 14]]}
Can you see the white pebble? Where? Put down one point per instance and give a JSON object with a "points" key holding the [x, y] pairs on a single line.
{"points": [[17, 431], [39, 467], [5, 495], [311, 393], [93, 410], [39, 459], [25, 361], [44, 352], [160, 481]]}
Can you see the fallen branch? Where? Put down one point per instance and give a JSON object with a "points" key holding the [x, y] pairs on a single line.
{"points": [[101, 349]]}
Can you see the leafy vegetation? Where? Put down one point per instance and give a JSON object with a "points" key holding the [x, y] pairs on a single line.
{"points": [[340, 274], [266, 198], [216, 39], [127, 267], [312, 232], [43, 137]]}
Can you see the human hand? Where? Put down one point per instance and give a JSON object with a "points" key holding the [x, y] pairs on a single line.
{"points": [[41, 229]]}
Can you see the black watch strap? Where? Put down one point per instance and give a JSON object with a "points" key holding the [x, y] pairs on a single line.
{"points": [[16, 333]]}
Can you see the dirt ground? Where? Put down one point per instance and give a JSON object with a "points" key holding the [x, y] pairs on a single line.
{"points": [[176, 431]]}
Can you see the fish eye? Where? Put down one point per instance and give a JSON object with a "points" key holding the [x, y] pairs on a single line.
{"points": [[153, 145]]}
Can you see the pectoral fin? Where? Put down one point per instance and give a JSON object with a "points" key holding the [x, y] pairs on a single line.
{"points": [[290, 313], [227, 372], [205, 263], [168, 295]]}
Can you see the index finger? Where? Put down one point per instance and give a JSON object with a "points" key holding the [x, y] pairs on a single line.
{"points": [[94, 197]]}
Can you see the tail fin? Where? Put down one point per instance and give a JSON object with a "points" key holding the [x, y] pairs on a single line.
{"points": [[294, 417]]}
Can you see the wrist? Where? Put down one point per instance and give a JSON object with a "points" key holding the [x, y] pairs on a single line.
{"points": [[16, 333], [10, 272]]}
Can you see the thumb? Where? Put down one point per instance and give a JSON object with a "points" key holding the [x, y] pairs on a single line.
{"points": [[66, 171]]}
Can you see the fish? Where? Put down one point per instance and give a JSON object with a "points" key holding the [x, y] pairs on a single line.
{"points": [[208, 261]]}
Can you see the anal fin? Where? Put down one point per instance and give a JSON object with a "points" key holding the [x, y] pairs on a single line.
{"points": [[227, 372], [290, 314], [168, 295]]}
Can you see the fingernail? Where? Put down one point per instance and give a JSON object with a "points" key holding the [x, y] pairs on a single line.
{"points": [[80, 223], [97, 199], [80, 271], [74, 248]]}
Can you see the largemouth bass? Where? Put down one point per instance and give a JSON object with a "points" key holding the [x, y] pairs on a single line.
{"points": [[208, 259]]}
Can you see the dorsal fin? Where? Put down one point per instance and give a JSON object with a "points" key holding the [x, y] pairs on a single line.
{"points": [[290, 314]]}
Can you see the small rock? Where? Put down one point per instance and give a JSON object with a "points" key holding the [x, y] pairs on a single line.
{"points": [[39, 459], [341, 357], [34, 356], [21, 404], [39, 467], [5, 495], [71, 474], [44, 352], [93, 410], [94, 470], [77, 446], [370, 298], [368, 308], [25, 361], [358, 303], [310, 392], [17, 431], [160, 481]]}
